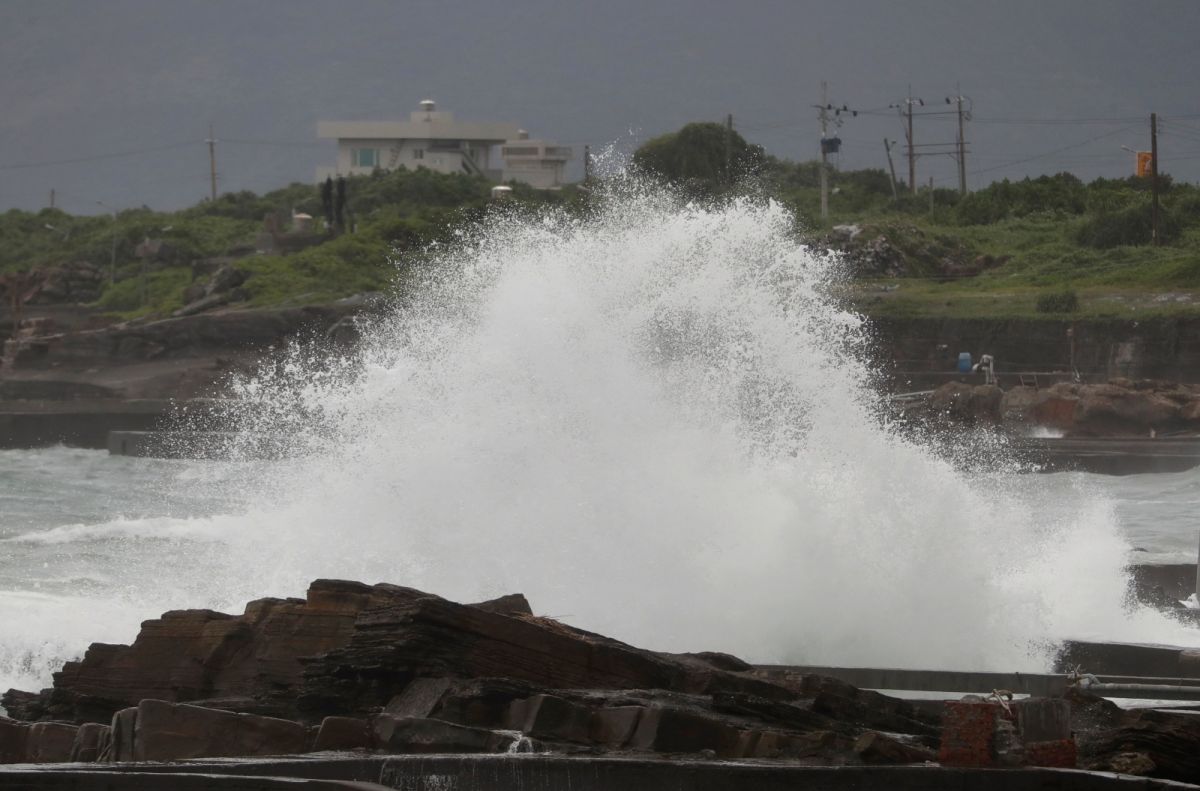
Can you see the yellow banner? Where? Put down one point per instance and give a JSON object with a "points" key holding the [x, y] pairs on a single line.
{"points": [[1143, 163]]}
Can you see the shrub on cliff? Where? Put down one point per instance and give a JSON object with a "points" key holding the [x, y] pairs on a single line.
{"points": [[1065, 301], [695, 157], [1131, 225]]}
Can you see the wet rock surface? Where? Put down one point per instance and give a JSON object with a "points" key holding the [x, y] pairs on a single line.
{"points": [[1119, 408], [383, 669]]}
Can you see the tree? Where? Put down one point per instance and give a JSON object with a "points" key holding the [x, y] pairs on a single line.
{"points": [[327, 200], [695, 157]]}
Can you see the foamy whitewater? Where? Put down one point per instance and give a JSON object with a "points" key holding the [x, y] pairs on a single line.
{"points": [[653, 422]]}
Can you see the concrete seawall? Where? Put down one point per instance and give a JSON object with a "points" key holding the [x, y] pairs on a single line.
{"points": [[917, 352], [526, 772], [82, 423]]}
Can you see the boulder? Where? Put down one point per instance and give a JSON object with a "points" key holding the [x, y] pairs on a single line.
{"points": [[343, 733], [613, 727], [91, 740], [874, 747], [665, 729], [174, 731], [14, 740], [968, 404], [121, 736], [1147, 742], [551, 718], [421, 698], [50, 742]]}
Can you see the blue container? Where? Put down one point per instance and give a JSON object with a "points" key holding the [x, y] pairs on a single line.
{"points": [[964, 362]]}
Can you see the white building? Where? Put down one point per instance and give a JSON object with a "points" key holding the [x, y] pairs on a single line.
{"points": [[538, 163], [432, 139]]}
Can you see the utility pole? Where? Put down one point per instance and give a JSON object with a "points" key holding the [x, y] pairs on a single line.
{"points": [[887, 146], [829, 116], [823, 114], [912, 151], [1154, 235], [52, 197], [728, 148], [962, 151], [212, 161], [931, 193]]}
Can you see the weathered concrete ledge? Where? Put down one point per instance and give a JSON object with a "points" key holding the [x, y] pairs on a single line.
{"points": [[524, 772], [214, 445], [82, 423]]}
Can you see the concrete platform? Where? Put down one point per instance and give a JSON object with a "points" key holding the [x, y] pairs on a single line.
{"points": [[79, 423], [1113, 455], [195, 445], [537, 772]]}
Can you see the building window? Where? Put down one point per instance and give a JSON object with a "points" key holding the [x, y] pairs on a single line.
{"points": [[418, 153], [365, 158]]}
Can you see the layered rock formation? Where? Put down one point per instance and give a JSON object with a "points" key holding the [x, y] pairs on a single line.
{"points": [[394, 670]]}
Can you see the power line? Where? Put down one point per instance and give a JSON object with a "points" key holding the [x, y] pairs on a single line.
{"points": [[1080, 144], [98, 157]]}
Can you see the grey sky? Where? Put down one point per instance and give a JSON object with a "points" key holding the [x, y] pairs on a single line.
{"points": [[84, 78]]}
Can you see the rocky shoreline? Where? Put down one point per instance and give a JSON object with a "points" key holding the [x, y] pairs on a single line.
{"points": [[386, 670]]}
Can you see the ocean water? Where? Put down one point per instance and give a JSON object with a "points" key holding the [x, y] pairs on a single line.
{"points": [[653, 422]]}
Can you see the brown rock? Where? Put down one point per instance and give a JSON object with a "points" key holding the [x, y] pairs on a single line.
{"points": [[969, 404], [14, 740], [614, 727], [551, 718], [343, 733], [90, 741], [121, 736], [414, 634], [1131, 763], [420, 735], [482, 702], [174, 731], [50, 742], [421, 698], [191, 655], [876, 748], [512, 604], [663, 729]]}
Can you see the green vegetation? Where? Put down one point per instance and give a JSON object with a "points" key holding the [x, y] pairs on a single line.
{"points": [[393, 218], [1049, 246], [703, 159], [1065, 301]]}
